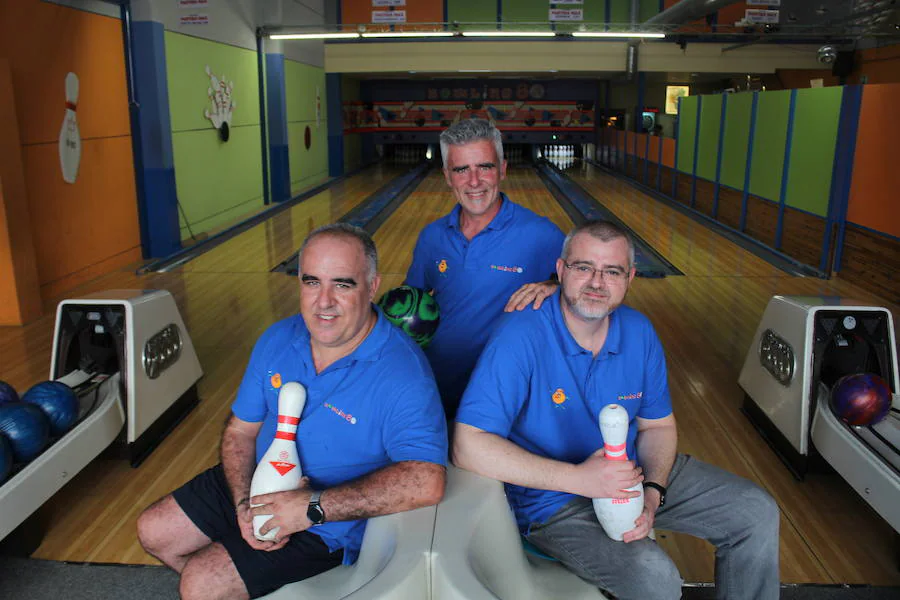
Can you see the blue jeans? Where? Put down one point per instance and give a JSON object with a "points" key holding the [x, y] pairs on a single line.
{"points": [[738, 517]]}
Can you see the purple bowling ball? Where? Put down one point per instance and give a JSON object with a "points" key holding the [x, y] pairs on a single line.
{"points": [[861, 399], [7, 393]]}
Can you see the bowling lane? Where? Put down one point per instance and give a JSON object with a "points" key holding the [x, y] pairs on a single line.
{"points": [[260, 248], [688, 244], [396, 238]]}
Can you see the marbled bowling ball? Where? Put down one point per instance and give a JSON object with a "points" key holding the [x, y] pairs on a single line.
{"points": [[861, 399], [58, 402], [412, 310]]}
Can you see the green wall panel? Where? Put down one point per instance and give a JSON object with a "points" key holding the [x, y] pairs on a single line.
{"points": [[308, 166], [300, 85], [708, 142], [216, 182], [768, 144], [812, 148], [687, 126], [649, 8], [737, 133], [620, 11], [186, 61], [466, 11]]}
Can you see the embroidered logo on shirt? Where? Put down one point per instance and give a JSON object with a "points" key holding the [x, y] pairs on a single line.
{"points": [[349, 418], [275, 380], [558, 397], [636, 396], [442, 267], [507, 269]]}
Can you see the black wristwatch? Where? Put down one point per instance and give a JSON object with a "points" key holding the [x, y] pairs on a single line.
{"points": [[315, 513], [658, 488]]}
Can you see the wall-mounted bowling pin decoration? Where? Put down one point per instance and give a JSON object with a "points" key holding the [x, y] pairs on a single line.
{"points": [[69, 136], [279, 470], [617, 515], [219, 94]]}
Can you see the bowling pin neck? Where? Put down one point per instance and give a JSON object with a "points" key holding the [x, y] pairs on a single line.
{"points": [[615, 451], [287, 428]]}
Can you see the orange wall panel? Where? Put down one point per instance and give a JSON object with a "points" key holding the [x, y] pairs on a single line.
{"points": [[641, 143], [654, 148], [876, 179], [44, 42], [104, 222], [669, 152], [417, 11], [79, 229]]}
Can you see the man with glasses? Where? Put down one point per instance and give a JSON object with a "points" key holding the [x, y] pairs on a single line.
{"points": [[529, 418], [487, 254]]}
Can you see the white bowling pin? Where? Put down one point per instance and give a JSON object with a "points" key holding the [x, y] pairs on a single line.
{"points": [[69, 136], [617, 515], [279, 470]]}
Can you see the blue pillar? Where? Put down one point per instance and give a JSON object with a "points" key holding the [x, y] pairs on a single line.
{"points": [[151, 130], [785, 171], [842, 174], [335, 114], [276, 103]]}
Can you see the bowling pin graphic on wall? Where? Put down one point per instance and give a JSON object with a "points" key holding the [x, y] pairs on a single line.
{"points": [[222, 105], [617, 515], [69, 136], [279, 470]]}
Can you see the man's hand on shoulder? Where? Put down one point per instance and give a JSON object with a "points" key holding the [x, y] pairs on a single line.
{"points": [[530, 293]]}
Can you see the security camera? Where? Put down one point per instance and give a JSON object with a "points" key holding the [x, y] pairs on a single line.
{"points": [[827, 54]]}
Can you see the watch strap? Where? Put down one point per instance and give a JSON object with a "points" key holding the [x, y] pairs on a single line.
{"points": [[659, 488]]}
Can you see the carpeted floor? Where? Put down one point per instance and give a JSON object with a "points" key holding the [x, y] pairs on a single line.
{"points": [[32, 579]]}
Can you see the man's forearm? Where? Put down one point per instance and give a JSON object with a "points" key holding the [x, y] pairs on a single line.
{"points": [[238, 457], [656, 448], [498, 458], [398, 487]]}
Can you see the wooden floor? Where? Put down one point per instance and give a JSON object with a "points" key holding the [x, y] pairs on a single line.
{"points": [[706, 320]]}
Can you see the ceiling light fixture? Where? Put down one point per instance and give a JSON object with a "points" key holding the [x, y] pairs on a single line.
{"points": [[408, 34], [313, 36], [617, 34], [508, 33]]}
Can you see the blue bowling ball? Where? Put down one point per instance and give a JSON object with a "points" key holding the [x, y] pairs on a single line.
{"points": [[7, 393], [58, 402], [26, 427], [6, 459]]}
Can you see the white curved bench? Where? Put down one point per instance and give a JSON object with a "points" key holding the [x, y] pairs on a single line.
{"points": [[477, 552], [392, 564]]}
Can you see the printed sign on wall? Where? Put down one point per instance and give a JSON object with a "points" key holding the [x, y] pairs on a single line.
{"points": [[389, 16], [566, 14]]}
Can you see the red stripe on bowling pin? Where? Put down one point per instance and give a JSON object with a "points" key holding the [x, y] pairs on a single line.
{"points": [[615, 452], [285, 435], [288, 419]]}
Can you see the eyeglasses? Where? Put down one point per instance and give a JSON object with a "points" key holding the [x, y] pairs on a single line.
{"points": [[609, 274]]}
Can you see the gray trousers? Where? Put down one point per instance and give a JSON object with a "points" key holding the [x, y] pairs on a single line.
{"points": [[735, 515]]}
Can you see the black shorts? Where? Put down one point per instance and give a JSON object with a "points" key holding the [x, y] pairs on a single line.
{"points": [[206, 500]]}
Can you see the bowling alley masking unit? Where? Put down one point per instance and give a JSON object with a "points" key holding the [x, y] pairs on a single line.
{"points": [[128, 357]]}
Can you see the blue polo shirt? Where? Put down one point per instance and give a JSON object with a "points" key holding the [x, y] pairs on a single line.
{"points": [[473, 280], [375, 407], [536, 386]]}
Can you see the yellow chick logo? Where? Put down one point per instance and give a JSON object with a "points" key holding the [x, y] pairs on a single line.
{"points": [[442, 266], [275, 380], [558, 396]]}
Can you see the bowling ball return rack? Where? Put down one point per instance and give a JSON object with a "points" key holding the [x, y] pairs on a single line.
{"points": [[127, 356], [802, 346]]}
